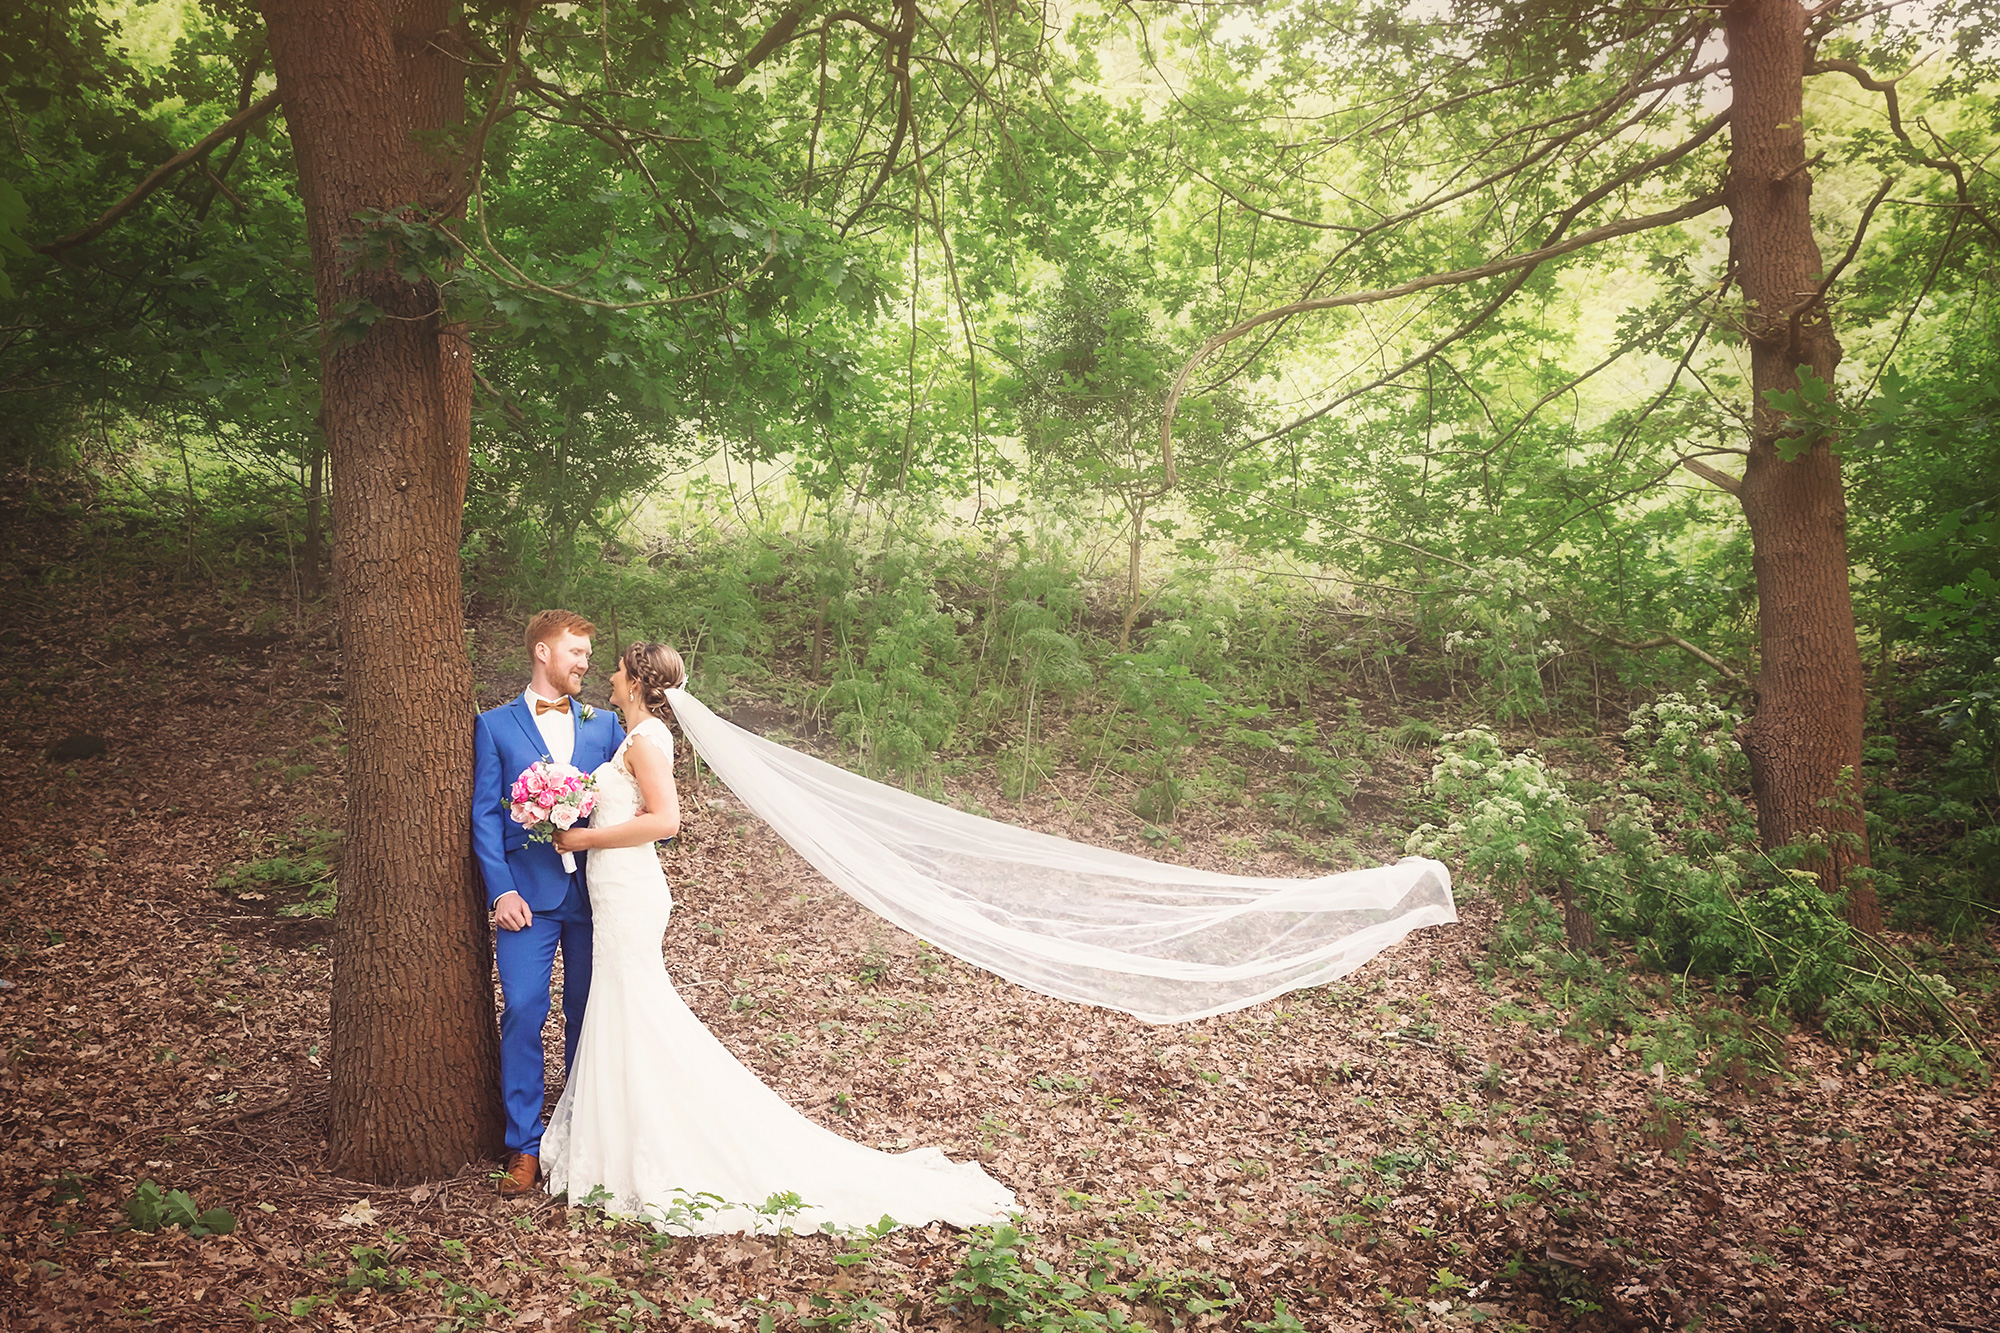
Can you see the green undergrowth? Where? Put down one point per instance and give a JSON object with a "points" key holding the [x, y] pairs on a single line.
{"points": [[1647, 919], [997, 655], [1105, 1286], [931, 659], [302, 870]]}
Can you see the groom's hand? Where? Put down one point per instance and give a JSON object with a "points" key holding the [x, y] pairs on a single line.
{"points": [[511, 912]]}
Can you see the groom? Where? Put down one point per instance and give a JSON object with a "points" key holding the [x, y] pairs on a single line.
{"points": [[538, 907]]}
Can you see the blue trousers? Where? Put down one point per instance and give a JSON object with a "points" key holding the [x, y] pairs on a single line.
{"points": [[525, 960]]}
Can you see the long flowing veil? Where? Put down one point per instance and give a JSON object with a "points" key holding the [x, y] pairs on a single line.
{"points": [[1163, 943]]}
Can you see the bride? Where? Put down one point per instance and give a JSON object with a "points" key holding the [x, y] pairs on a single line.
{"points": [[657, 1119]]}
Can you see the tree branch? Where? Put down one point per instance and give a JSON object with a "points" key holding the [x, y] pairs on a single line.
{"points": [[471, 160], [521, 281], [1661, 641], [1714, 476], [1582, 240], [774, 37], [1887, 87], [1657, 329], [1591, 117], [1500, 298], [781, 34], [161, 174], [507, 405], [1853, 246], [246, 85], [899, 71]]}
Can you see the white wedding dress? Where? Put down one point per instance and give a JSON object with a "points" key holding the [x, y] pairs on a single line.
{"points": [[659, 1120]]}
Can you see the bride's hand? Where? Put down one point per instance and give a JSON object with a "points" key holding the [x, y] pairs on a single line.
{"points": [[573, 840]]}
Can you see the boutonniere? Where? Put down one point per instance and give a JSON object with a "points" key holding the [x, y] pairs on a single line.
{"points": [[586, 712]]}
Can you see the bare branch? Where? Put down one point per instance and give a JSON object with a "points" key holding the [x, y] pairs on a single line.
{"points": [[161, 174], [1661, 641], [774, 37], [1853, 246], [1886, 87], [1714, 476], [1583, 239]]}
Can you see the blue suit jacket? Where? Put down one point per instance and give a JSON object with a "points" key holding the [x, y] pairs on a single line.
{"points": [[505, 741]]}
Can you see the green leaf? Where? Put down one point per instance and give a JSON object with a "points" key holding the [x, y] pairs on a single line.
{"points": [[181, 1209], [146, 1209], [214, 1222], [1813, 413]]}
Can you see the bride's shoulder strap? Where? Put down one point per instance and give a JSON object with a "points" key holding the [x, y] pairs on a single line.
{"points": [[654, 730]]}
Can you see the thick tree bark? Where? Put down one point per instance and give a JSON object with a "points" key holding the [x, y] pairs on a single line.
{"points": [[415, 1049], [1804, 743]]}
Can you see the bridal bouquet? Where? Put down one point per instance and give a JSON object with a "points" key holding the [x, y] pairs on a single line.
{"points": [[550, 796]]}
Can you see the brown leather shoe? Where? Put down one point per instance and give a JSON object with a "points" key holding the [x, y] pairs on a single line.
{"points": [[523, 1170]]}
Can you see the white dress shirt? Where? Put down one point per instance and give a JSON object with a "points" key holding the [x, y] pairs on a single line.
{"points": [[558, 729]]}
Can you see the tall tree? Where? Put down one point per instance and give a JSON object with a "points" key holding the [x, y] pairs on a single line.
{"points": [[1516, 135], [369, 89], [375, 97], [1804, 741], [655, 114]]}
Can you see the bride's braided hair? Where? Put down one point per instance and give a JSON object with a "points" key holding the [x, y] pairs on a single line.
{"points": [[653, 669]]}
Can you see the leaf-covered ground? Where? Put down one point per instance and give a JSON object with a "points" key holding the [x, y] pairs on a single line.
{"points": [[1378, 1154]]}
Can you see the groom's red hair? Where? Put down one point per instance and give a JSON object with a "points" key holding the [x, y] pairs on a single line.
{"points": [[548, 624]]}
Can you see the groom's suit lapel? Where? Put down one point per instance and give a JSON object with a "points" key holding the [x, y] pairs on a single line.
{"points": [[525, 716]]}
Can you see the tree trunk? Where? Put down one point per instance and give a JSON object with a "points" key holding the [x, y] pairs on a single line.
{"points": [[1804, 742], [415, 1050], [1579, 927], [1137, 509]]}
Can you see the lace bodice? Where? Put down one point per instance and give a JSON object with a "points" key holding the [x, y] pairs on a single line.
{"points": [[618, 794]]}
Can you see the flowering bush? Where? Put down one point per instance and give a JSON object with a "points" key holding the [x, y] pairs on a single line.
{"points": [[1501, 628], [1685, 757], [1513, 821], [1695, 908]]}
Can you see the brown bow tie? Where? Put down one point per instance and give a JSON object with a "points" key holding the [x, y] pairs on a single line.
{"points": [[552, 705]]}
